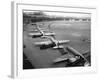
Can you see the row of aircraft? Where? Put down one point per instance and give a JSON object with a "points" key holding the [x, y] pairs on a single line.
{"points": [[56, 44], [51, 43], [40, 32]]}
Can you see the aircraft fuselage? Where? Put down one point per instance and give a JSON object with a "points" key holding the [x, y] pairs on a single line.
{"points": [[47, 46], [36, 36]]}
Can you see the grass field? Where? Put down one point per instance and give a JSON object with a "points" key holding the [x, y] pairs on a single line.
{"points": [[79, 34]]}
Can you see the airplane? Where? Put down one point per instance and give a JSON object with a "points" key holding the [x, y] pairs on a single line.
{"points": [[51, 43], [75, 52], [40, 33], [77, 59]]}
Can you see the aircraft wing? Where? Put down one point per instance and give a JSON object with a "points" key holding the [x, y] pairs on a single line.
{"points": [[63, 41], [35, 30], [31, 34], [61, 58], [58, 47], [42, 43], [49, 34]]}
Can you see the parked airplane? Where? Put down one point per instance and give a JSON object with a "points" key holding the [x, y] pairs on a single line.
{"points": [[75, 52], [40, 33], [77, 60], [52, 43]]}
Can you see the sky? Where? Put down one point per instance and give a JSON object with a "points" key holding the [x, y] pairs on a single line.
{"points": [[63, 14]]}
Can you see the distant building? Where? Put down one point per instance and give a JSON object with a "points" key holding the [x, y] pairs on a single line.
{"points": [[37, 17]]}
